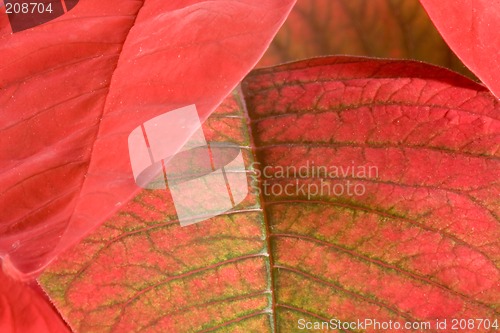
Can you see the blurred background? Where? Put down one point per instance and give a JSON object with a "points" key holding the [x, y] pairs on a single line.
{"points": [[373, 28]]}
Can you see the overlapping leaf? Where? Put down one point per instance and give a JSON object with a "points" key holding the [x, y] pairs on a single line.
{"points": [[72, 90], [420, 243], [145, 272]]}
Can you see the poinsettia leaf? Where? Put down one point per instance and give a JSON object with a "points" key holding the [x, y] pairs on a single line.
{"points": [[417, 241], [24, 308], [165, 277], [471, 29], [375, 28], [73, 89]]}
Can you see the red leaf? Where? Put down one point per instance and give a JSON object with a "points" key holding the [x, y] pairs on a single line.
{"points": [[420, 243], [470, 27], [25, 309], [74, 88]]}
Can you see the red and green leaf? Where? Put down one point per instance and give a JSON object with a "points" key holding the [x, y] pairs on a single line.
{"points": [[168, 278], [421, 243]]}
